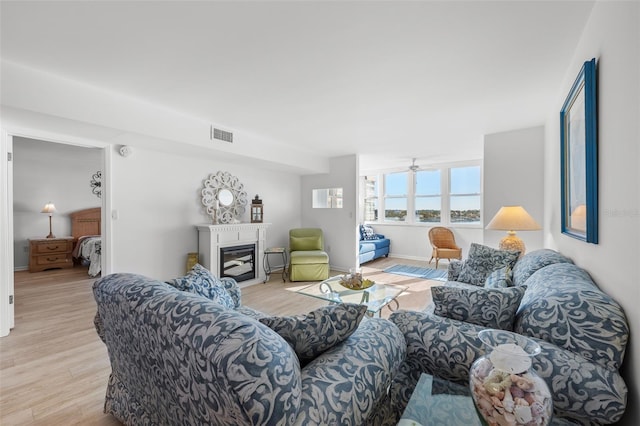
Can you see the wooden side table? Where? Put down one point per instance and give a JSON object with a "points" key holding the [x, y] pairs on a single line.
{"points": [[50, 253], [267, 266]]}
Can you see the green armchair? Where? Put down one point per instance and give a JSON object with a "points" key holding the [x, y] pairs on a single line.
{"points": [[307, 259]]}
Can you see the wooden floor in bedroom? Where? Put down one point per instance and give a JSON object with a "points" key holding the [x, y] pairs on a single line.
{"points": [[54, 368]]}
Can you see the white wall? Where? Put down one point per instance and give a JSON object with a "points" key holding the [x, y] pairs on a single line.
{"points": [[612, 36], [158, 203], [339, 225], [513, 162], [43, 172]]}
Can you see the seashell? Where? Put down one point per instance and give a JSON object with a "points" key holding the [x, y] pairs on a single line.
{"points": [[521, 401], [511, 418], [523, 414], [500, 420], [492, 387], [485, 404], [496, 402], [537, 409], [530, 397], [507, 401], [522, 382], [516, 392]]}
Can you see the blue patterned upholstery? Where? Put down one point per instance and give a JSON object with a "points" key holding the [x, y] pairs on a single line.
{"points": [[180, 358], [311, 334], [490, 307], [531, 262], [583, 334], [482, 261], [500, 278], [200, 281], [573, 314]]}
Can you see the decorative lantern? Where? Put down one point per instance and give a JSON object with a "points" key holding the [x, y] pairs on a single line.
{"points": [[256, 210]]}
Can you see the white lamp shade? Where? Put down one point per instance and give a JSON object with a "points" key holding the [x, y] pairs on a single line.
{"points": [[49, 208], [579, 218], [513, 218]]}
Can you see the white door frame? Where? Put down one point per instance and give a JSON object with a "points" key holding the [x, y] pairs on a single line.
{"points": [[6, 211]]}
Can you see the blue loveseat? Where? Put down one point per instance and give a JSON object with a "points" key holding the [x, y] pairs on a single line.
{"points": [[582, 331], [179, 358], [372, 245]]}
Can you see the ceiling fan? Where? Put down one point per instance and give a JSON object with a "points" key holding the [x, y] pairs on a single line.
{"points": [[414, 167]]}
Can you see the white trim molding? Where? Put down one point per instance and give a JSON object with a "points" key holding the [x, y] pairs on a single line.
{"points": [[213, 237]]}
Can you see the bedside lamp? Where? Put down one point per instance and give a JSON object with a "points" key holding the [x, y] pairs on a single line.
{"points": [[49, 208], [512, 219]]}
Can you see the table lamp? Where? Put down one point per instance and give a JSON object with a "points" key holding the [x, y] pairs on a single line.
{"points": [[49, 208], [579, 218], [512, 219]]}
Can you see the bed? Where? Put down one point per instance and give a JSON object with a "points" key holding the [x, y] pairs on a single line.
{"points": [[85, 230]]}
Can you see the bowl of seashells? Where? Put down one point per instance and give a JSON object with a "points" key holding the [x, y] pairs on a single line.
{"points": [[355, 281]]}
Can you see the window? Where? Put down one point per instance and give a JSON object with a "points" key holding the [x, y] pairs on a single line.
{"points": [[328, 198], [370, 198], [464, 195], [428, 205], [395, 197], [444, 195]]}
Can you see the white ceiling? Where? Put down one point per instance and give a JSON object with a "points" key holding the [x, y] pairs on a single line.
{"points": [[388, 80]]}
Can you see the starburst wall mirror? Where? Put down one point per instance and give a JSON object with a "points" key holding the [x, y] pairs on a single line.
{"points": [[223, 197]]}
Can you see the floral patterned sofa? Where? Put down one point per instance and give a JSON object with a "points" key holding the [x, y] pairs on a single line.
{"points": [[583, 334], [179, 358]]}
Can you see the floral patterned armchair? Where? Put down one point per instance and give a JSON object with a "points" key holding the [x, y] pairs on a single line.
{"points": [[582, 331], [180, 358]]}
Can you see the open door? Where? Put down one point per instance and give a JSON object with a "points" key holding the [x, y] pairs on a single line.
{"points": [[7, 266], [6, 235]]}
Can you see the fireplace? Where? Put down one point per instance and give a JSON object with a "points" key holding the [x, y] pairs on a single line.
{"points": [[238, 262], [211, 238]]}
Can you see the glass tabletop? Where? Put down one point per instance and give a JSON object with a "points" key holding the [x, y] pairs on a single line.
{"points": [[375, 297], [438, 402]]}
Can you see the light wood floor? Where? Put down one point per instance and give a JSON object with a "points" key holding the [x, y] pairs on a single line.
{"points": [[54, 368]]}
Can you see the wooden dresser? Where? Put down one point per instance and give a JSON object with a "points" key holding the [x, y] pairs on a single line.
{"points": [[50, 253]]}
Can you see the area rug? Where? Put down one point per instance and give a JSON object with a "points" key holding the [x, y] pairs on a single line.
{"points": [[418, 272]]}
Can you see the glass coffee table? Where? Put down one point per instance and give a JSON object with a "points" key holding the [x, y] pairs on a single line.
{"points": [[375, 297], [436, 401]]}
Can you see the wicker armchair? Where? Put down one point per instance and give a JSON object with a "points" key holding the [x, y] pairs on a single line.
{"points": [[444, 244]]}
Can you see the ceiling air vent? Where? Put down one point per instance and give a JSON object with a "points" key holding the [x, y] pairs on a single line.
{"points": [[221, 135]]}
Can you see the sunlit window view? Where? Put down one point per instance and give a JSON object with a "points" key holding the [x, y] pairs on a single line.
{"points": [[464, 197], [428, 204], [395, 198], [447, 195], [371, 198]]}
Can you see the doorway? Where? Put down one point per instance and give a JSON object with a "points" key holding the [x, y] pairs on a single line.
{"points": [[20, 200]]}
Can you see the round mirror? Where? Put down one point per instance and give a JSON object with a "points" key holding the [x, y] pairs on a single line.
{"points": [[225, 197]]}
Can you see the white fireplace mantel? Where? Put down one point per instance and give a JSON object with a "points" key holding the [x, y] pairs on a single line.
{"points": [[213, 237]]}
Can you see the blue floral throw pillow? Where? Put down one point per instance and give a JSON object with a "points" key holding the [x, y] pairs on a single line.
{"points": [[491, 308], [500, 278], [311, 334], [201, 281], [482, 261], [368, 233]]}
